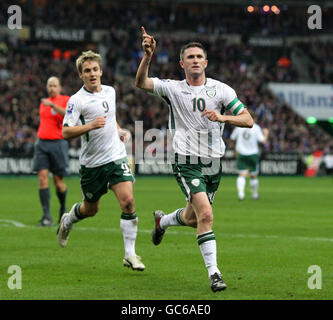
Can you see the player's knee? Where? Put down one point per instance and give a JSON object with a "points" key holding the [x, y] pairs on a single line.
{"points": [[60, 185], [192, 222], [90, 212], [43, 181], [127, 203], [206, 217]]}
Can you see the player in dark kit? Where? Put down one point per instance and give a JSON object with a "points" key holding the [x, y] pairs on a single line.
{"points": [[51, 150]]}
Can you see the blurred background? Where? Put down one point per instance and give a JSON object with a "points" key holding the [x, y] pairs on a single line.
{"points": [[280, 68]]}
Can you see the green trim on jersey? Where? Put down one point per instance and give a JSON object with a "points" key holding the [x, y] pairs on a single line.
{"points": [[87, 89], [172, 117], [83, 123], [203, 84]]}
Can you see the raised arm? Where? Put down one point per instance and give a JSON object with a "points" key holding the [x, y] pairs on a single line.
{"points": [[142, 80]]}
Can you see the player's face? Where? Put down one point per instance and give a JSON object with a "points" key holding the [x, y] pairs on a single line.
{"points": [[53, 87], [194, 62], [91, 75]]}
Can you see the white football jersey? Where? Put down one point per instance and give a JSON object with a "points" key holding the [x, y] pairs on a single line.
{"points": [[193, 134], [98, 146], [247, 139]]}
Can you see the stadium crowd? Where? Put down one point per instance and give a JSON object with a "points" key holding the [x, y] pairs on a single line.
{"points": [[25, 66], [213, 18]]}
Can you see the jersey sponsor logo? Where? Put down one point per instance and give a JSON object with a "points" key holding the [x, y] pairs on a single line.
{"points": [[185, 92], [70, 108], [195, 182], [165, 80]]}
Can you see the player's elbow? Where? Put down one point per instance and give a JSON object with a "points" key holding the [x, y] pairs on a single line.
{"points": [[145, 84], [65, 133], [139, 83], [249, 122]]}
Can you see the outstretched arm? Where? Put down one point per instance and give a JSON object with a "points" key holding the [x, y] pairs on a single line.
{"points": [[142, 80]]}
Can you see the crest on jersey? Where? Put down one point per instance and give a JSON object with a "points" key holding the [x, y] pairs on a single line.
{"points": [[211, 91], [70, 108]]}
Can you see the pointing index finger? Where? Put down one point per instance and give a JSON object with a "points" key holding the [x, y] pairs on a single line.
{"points": [[143, 31], [204, 113]]}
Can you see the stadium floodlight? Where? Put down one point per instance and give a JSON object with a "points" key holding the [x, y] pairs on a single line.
{"points": [[265, 8], [275, 9], [250, 9], [311, 120]]}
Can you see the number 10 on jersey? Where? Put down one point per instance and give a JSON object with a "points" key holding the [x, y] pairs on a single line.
{"points": [[199, 104]]}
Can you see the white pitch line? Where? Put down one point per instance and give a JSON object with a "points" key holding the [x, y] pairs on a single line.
{"points": [[10, 223]]}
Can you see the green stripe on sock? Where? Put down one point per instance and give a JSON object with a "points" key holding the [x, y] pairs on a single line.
{"points": [[201, 238], [128, 216], [77, 211], [179, 218]]}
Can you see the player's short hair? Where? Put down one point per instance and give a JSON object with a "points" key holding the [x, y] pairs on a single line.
{"points": [[85, 56], [192, 45]]}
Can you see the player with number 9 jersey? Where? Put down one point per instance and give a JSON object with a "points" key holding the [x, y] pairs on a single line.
{"points": [[91, 114], [101, 146]]}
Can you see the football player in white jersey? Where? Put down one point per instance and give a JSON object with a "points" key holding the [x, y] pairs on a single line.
{"points": [[91, 114], [197, 106], [247, 140]]}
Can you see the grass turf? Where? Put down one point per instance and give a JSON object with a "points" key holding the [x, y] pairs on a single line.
{"points": [[265, 247]]}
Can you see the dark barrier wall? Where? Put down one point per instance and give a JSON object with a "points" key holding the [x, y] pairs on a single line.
{"points": [[270, 164]]}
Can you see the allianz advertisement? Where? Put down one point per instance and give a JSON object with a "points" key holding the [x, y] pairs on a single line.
{"points": [[308, 100]]}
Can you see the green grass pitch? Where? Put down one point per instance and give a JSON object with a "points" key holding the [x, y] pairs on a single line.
{"points": [[265, 247]]}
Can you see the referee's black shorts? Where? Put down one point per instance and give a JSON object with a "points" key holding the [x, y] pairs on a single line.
{"points": [[51, 155]]}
